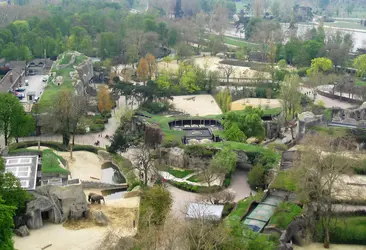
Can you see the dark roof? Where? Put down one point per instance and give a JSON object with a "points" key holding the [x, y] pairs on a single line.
{"points": [[18, 66], [24, 168], [40, 62], [9, 80]]}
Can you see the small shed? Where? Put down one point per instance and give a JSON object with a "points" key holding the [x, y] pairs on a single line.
{"points": [[206, 211]]}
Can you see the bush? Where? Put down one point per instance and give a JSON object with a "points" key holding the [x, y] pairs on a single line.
{"points": [[260, 92], [256, 177], [227, 181], [194, 189], [360, 168], [54, 145], [278, 147], [96, 127], [228, 207], [156, 107], [302, 71]]}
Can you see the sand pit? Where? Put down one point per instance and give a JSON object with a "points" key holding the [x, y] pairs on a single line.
{"points": [[255, 102], [197, 105], [211, 63], [84, 234], [83, 166], [319, 246]]}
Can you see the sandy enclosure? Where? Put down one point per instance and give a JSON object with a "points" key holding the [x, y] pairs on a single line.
{"points": [[211, 63], [83, 166], [84, 234], [197, 105], [319, 246], [255, 102]]}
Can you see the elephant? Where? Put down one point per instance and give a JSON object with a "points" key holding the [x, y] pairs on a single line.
{"points": [[95, 198]]}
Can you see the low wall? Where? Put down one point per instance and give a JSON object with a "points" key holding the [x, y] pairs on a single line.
{"points": [[97, 184], [341, 98]]}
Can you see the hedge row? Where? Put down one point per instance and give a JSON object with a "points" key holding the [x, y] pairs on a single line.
{"points": [[195, 189], [54, 145]]}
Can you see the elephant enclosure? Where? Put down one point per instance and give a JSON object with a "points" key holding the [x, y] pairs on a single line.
{"points": [[121, 214]]}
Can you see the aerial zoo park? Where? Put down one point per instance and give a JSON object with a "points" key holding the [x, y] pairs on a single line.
{"points": [[181, 124]]}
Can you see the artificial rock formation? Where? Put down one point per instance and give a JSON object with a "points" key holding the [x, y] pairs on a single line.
{"points": [[351, 116], [56, 204], [22, 231]]}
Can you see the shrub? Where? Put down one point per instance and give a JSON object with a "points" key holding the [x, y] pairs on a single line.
{"points": [[156, 107], [227, 181], [282, 64], [228, 207], [260, 92], [96, 127], [278, 147], [194, 189], [256, 177], [360, 167], [302, 71]]}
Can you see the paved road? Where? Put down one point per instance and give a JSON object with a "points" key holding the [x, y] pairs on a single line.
{"points": [[182, 198], [328, 102]]}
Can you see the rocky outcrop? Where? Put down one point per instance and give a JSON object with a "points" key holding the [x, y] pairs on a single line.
{"points": [[100, 218], [56, 204], [22, 231], [351, 116]]}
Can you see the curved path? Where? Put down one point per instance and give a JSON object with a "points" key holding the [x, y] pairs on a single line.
{"points": [[90, 138], [182, 198]]}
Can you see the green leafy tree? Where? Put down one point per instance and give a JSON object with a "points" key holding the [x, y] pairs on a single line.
{"points": [[360, 65], [188, 81], [178, 9], [233, 133], [226, 158], [10, 190], [155, 205], [164, 80], [13, 121], [6, 226], [320, 65], [224, 100], [249, 121], [256, 177]]}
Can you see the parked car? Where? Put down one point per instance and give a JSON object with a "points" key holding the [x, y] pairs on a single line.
{"points": [[20, 89], [44, 79], [36, 99]]}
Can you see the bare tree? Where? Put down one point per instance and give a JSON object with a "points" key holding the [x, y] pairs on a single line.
{"points": [[222, 197], [228, 70], [322, 165], [144, 161]]}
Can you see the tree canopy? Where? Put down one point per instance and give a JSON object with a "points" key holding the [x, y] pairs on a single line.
{"points": [[14, 122], [248, 121]]}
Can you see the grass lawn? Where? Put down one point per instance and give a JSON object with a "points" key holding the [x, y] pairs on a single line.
{"points": [[51, 164], [346, 25], [180, 173], [284, 181], [235, 216], [345, 230], [238, 42], [49, 95], [284, 214], [196, 178], [360, 83], [332, 131]]}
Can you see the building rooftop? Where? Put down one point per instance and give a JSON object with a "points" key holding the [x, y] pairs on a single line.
{"points": [[8, 81], [207, 211], [24, 168]]}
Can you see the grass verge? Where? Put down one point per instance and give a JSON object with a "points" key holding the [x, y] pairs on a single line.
{"points": [[284, 214], [284, 180], [51, 163], [180, 173]]}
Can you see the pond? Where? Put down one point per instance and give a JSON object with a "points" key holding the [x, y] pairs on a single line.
{"points": [[111, 174], [114, 194]]}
